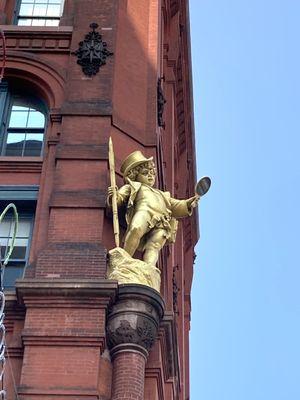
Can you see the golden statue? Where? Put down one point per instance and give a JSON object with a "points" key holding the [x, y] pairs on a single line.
{"points": [[151, 217]]}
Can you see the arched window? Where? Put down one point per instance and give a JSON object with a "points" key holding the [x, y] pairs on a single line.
{"points": [[39, 12], [24, 121]]}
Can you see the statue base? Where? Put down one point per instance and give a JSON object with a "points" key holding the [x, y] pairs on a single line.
{"points": [[125, 269]]}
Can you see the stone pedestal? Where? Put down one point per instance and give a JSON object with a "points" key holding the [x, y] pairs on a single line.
{"points": [[132, 327]]}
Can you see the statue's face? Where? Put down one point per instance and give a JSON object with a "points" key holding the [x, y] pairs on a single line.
{"points": [[147, 174]]}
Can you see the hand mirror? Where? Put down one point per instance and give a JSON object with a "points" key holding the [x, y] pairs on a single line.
{"points": [[202, 186]]}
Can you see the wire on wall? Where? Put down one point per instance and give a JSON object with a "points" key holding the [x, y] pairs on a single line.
{"points": [[2, 296]]}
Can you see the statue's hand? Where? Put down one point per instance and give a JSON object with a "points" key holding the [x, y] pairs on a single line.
{"points": [[111, 190], [193, 202]]}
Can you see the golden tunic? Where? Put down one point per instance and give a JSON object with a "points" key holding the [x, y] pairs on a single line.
{"points": [[161, 208]]}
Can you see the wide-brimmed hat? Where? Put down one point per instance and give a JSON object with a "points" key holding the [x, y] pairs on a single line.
{"points": [[134, 159]]}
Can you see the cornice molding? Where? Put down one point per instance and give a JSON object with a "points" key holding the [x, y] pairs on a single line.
{"points": [[68, 393], [21, 164], [37, 39], [43, 289], [31, 339]]}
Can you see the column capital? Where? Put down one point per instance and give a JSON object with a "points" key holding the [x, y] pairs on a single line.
{"points": [[134, 319]]}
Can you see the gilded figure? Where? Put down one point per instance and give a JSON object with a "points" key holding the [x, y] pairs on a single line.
{"points": [[151, 216]]}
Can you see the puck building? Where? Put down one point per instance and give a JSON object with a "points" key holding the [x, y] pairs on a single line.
{"points": [[78, 72]]}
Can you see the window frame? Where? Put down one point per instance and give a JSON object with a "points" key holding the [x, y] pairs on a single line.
{"points": [[4, 112]]}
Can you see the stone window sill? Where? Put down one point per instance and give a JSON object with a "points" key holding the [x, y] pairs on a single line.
{"points": [[36, 29]]}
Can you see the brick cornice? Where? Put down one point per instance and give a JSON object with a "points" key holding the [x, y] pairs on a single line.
{"points": [[37, 39], [31, 339], [39, 290], [14, 352], [21, 164], [13, 312], [85, 394], [36, 30]]}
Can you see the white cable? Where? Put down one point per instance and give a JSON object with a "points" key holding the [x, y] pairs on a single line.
{"points": [[2, 297]]}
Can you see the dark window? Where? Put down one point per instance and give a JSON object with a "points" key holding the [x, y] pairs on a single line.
{"points": [[18, 260], [39, 12], [23, 126]]}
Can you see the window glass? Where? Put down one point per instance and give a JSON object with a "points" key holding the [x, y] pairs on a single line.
{"points": [[18, 260], [12, 272], [18, 118], [5, 228], [26, 126], [3, 244], [24, 22], [26, 9], [35, 119], [53, 10], [22, 237], [51, 22], [15, 107], [26, 117], [40, 12], [19, 251], [24, 227], [33, 144], [15, 144]]}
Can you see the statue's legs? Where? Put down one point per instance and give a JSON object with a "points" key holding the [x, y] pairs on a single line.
{"points": [[155, 242], [138, 227]]}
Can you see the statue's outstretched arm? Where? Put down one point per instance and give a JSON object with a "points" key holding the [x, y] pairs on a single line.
{"points": [[183, 208]]}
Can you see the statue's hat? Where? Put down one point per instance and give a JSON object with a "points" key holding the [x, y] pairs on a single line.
{"points": [[134, 159]]}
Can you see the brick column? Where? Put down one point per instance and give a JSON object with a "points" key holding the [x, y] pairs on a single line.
{"points": [[132, 328], [128, 376]]}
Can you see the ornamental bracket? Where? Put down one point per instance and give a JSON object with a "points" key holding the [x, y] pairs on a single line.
{"points": [[92, 52], [160, 103]]}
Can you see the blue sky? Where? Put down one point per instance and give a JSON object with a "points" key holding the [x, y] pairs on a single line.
{"points": [[245, 336]]}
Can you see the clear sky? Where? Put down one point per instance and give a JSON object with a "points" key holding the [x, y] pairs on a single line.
{"points": [[245, 336]]}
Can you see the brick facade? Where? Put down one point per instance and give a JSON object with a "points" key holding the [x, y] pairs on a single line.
{"points": [[56, 319]]}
